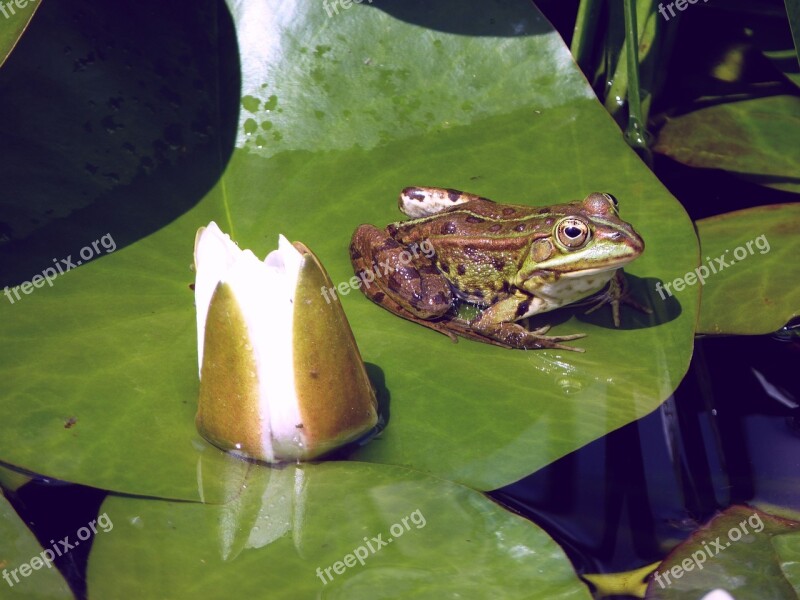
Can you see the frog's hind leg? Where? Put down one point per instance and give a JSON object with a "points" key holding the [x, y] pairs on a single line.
{"points": [[497, 325], [400, 280], [419, 202]]}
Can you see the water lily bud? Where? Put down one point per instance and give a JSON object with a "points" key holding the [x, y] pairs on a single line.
{"points": [[281, 377]]}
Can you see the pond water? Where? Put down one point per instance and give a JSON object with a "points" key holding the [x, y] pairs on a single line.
{"points": [[728, 435]]}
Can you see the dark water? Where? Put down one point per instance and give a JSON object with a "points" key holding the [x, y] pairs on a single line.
{"points": [[730, 434]]}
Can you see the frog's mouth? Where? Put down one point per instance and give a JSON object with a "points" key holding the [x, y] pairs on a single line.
{"points": [[612, 266]]}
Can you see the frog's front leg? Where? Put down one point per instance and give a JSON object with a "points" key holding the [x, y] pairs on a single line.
{"points": [[615, 294], [497, 324], [400, 278]]}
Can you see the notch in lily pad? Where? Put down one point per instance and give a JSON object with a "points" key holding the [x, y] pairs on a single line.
{"points": [[281, 377]]}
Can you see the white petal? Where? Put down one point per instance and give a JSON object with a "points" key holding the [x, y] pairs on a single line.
{"points": [[265, 293], [284, 409], [718, 595]]}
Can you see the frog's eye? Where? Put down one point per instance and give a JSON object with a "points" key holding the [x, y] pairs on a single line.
{"points": [[572, 233], [612, 199]]}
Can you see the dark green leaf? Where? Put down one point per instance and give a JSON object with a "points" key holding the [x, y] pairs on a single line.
{"points": [[735, 552], [793, 13], [756, 139], [754, 253]]}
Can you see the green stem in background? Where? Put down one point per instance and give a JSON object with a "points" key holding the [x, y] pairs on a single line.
{"points": [[583, 35], [615, 71], [611, 70], [635, 133], [648, 30], [793, 12]]}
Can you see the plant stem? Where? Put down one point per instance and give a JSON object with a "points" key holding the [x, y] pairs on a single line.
{"points": [[584, 32], [636, 132]]}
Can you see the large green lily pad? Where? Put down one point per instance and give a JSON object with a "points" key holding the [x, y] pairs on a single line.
{"points": [[736, 551], [753, 252], [337, 115], [416, 537], [18, 547]]}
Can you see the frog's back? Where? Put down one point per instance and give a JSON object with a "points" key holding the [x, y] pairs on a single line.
{"points": [[481, 224]]}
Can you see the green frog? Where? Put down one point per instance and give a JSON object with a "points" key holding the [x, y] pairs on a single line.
{"points": [[512, 261]]}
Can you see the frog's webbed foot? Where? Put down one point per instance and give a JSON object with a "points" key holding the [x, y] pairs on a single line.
{"points": [[496, 325], [615, 294], [512, 335]]}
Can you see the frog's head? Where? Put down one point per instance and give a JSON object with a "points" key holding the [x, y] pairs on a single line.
{"points": [[589, 237]]}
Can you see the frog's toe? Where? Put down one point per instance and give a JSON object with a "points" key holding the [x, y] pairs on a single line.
{"points": [[536, 342], [630, 301], [615, 301], [541, 330]]}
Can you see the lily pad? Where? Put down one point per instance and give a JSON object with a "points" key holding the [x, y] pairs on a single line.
{"points": [[787, 547], [734, 552], [338, 114], [337, 530], [11, 481], [753, 252], [16, 16], [111, 131], [756, 139], [18, 548]]}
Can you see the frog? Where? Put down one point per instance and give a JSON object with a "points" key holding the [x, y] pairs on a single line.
{"points": [[511, 261]]}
